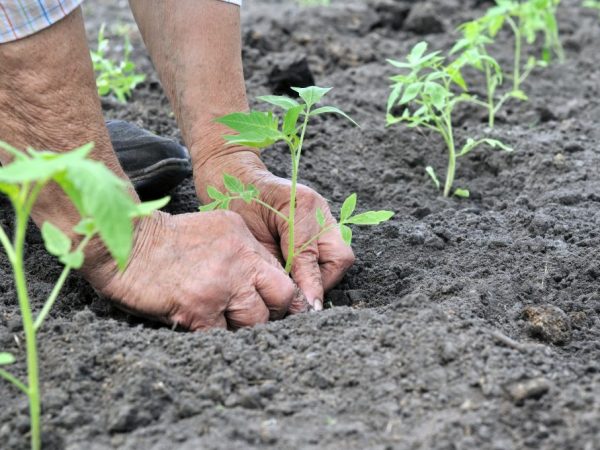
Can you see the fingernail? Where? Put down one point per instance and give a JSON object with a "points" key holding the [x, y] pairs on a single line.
{"points": [[318, 305]]}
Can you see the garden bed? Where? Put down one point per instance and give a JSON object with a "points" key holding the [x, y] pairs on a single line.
{"points": [[464, 324]]}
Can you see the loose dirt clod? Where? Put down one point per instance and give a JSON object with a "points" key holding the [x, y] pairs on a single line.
{"points": [[528, 389], [548, 323]]}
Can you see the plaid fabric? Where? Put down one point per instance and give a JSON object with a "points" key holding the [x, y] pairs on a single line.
{"points": [[21, 18]]}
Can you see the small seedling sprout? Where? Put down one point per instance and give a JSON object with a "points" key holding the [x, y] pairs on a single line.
{"points": [[425, 93], [106, 210], [526, 20], [114, 78], [262, 129]]}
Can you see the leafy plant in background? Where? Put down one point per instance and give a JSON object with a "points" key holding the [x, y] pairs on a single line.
{"points": [[593, 4], [111, 77], [425, 95], [262, 129], [527, 20], [106, 210]]}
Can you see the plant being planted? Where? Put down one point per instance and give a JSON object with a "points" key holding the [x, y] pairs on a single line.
{"points": [[117, 78], [427, 100], [262, 129], [106, 210], [527, 20]]}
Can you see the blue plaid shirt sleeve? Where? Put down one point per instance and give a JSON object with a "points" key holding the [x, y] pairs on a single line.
{"points": [[21, 18]]}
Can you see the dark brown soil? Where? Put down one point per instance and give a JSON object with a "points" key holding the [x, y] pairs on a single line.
{"points": [[464, 324]]}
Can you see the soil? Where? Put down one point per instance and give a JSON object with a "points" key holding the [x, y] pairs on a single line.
{"points": [[464, 324]]}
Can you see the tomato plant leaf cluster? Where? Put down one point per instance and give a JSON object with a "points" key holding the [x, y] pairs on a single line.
{"points": [[260, 129], [106, 210]]}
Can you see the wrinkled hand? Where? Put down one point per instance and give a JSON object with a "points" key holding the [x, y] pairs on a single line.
{"points": [[323, 264], [197, 271]]}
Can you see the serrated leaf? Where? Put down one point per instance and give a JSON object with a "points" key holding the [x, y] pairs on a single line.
{"points": [[370, 218], [6, 358], [348, 208], [311, 95], [280, 101], [291, 119], [145, 209], [73, 259], [346, 232], [233, 184], [56, 242], [431, 172], [333, 110], [462, 193], [320, 217]]}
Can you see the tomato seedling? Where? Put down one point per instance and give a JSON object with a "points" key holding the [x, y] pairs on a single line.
{"points": [[117, 78], [427, 100], [526, 20], [262, 129], [106, 210]]}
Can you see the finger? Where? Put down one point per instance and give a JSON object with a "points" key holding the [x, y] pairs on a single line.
{"points": [[275, 288], [246, 310], [307, 275], [299, 304], [335, 258], [197, 319]]}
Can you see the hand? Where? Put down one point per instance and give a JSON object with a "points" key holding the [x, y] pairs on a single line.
{"points": [[323, 263], [197, 271]]}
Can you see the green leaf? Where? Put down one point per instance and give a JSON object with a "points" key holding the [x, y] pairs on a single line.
{"points": [[410, 93], [214, 193], [333, 110], [145, 209], [251, 139], [348, 208], [370, 218], [233, 184], [85, 227], [57, 243], [520, 95], [255, 126], [17, 154], [6, 359], [417, 51], [291, 119], [311, 95], [73, 259], [346, 234], [394, 96], [320, 217], [210, 206], [431, 172], [281, 101], [463, 193]]}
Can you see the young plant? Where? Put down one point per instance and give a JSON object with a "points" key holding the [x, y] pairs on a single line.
{"points": [[117, 78], [425, 94], [526, 20], [262, 129], [106, 210]]}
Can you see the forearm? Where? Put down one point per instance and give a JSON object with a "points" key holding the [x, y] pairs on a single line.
{"points": [[196, 48], [48, 101]]}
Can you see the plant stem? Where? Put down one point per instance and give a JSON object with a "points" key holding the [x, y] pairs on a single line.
{"points": [[296, 153], [57, 287], [451, 158], [491, 108], [30, 341], [14, 380], [316, 236], [517, 63]]}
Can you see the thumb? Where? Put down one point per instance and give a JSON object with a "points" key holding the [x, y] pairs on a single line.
{"points": [[307, 275]]}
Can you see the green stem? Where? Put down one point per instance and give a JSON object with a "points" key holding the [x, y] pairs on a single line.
{"points": [[8, 248], [296, 153], [57, 287], [491, 108], [316, 237], [451, 158], [30, 341], [517, 63], [14, 380]]}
